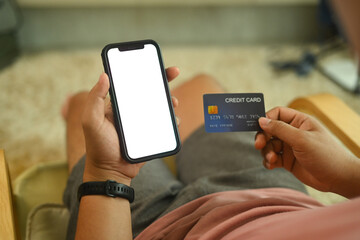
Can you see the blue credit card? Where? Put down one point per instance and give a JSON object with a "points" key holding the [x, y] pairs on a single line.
{"points": [[233, 112]]}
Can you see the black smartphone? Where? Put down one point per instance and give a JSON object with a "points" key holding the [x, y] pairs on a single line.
{"points": [[141, 102]]}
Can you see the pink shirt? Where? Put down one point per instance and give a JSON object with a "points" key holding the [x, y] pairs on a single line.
{"points": [[272, 213]]}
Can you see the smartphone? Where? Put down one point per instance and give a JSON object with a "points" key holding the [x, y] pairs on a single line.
{"points": [[141, 102]]}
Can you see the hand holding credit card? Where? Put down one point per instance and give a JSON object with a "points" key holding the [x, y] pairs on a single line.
{"points": [[233, 112]]}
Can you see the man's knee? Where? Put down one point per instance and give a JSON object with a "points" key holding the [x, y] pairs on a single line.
{"points": [[204, 80]]}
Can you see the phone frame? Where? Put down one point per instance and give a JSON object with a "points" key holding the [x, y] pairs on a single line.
{"points": [[128, 46]]}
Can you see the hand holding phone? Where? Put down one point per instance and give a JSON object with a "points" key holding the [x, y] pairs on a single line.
{"points": [[141, 101]]}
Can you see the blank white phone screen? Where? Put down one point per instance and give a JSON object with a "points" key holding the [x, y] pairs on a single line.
{"points": [[142, 101]]}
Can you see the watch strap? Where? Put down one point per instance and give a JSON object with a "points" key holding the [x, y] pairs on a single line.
{"points": [[108, 188]]}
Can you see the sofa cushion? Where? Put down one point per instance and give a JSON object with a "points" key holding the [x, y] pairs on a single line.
{"points": [[47, 221]]}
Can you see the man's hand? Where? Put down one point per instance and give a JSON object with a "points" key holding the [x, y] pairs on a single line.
{"points": [[103, 157], [97, 218], [301, 145]]}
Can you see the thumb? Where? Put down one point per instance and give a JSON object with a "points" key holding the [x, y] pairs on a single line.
{"points": [[280, 129], [94, 112], [101, 88]]}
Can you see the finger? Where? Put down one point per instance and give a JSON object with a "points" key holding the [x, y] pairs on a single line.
{"points": [[175, 101], [260, 140], [267, 136], [281, 130], [275, 162], [278, 163], [268, 153], [272, 158], [172, 73], [274, 145], [277, 145], [94, 111], [287, 115]]}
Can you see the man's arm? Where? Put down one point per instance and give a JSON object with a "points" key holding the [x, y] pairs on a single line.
{"points": [[103, 217], [301, 145]]}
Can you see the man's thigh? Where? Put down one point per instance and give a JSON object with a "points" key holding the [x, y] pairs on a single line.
{"points": [[229, 161]]}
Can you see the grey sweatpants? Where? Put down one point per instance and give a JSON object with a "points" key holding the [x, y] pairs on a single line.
{"points": [[207, 163]]}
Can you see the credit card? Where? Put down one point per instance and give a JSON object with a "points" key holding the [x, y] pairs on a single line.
{"points": [[233, 112]]}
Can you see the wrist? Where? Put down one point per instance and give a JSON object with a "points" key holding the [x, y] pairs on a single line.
{"points": [[349, 184], [94, 174], [108, 188]]}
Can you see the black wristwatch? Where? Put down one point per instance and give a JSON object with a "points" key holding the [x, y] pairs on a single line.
{"points": [[109, 188]]}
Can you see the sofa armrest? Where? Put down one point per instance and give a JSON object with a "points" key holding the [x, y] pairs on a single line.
{"points": [[7, 217], [338, 117]]}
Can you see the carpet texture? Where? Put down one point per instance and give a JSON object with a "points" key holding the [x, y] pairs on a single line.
{"points": [[34, 87]]}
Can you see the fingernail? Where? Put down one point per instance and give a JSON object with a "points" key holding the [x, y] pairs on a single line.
{"points": [[264, 121]]}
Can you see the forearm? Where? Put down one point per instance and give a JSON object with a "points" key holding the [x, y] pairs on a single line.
{"points": [[103, 217]]}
